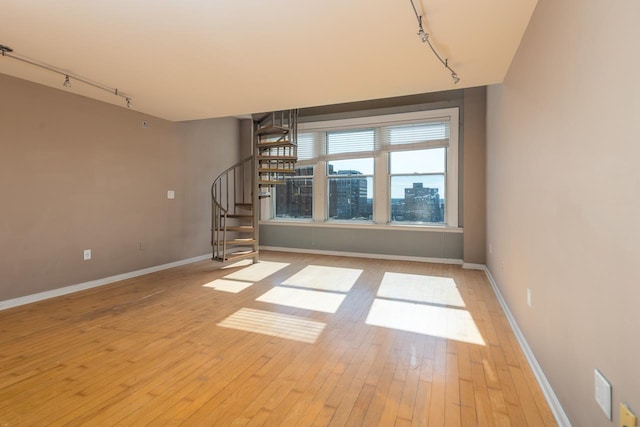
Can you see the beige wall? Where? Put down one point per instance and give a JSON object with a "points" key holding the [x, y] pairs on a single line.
{"points": [[564, 198], [79, 174]]}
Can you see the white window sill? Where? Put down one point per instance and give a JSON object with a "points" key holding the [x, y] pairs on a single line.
{"points": [[363, 225]]}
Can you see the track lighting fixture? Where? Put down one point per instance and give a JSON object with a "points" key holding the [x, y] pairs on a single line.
{"points": [[8, 52], [424, 36]]}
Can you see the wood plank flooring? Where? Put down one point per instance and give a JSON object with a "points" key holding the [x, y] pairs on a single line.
{"points": [[342, 341]]}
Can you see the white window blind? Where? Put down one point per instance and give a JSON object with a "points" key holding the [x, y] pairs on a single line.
{"points": [[418, 134], [306, 146], [350, 141]]}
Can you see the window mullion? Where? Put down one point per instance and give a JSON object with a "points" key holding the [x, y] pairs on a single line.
{"points": [[320, 196]]}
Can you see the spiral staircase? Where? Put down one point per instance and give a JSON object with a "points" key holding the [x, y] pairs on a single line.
{"points": [[236, 192]]}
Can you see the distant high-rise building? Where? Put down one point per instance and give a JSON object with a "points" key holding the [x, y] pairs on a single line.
{"points": [[348, 196], [294, 198], [422, 204]]}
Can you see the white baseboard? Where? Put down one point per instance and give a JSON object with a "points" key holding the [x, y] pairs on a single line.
{"points": [[472, 266], [549, 394], [28, 299], [364, 255]]}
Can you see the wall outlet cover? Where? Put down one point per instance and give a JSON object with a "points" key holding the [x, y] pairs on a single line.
{"points": [[603, 393], [171, 194], [87, 254], [627, 418]]}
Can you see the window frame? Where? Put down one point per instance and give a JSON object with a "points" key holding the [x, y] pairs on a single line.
{"points": [[381, 176]]}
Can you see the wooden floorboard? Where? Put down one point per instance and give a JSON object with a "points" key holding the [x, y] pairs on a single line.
{"points": [[182, 347]]}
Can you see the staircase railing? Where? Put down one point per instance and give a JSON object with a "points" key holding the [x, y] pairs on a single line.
{"points": [[236, 192], [231, 195]]}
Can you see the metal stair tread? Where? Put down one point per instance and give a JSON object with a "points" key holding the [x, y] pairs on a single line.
{"points": [[241, 228], [274, 144], [276, 157], [236, 256], [238, 215], [272, 130], [238, 242], [277, 170]]}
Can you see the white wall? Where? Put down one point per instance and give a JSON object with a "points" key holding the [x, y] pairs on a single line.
{"points": [[563, 183]]}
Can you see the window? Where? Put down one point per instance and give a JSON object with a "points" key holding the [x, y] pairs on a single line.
{"points": [[394, 169], [417, 180], [294, 198], [350, 184]]}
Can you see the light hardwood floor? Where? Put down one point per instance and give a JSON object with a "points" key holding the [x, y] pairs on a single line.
{"points": [[297, 340]]}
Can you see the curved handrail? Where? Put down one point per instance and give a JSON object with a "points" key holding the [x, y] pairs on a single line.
{"points": [[231, 189], [221, 176]]}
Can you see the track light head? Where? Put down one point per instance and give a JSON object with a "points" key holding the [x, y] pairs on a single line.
{"points": [[129, 105], [423, 35], [67, 82], [5, 49]]}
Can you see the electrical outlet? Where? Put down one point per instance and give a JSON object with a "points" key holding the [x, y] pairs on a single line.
{"points": [[627, 418], [529, 297], [603, 393], [87, 254], [171, 194]]}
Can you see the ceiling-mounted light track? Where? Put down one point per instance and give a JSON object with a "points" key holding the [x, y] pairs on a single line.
{"points": [[424, 36], [8, 52]]}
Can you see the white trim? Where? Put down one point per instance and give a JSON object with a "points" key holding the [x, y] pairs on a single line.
{"points": [[442, 114], [28, 299], [472, 266], [364, 255], [452, 174], [549, 394], [363, 226], [381, 187]]}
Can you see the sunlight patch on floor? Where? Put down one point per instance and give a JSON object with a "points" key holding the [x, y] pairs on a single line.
{"points": [[232, 286], [420, 288], [257, 272], [326, 302], [274, 324], [449, 323], [323, 278]]}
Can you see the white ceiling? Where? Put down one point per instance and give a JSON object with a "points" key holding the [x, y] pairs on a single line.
{"points": [[193, 59]]}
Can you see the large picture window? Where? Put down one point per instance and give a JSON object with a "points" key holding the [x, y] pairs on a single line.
{"points": [[396, 169]]}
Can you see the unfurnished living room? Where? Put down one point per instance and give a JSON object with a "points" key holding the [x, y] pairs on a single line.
{"points": [[384, 213]]}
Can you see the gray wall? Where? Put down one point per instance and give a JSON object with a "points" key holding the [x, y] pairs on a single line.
{"points": [[410, 243], [564, 198], [432, 243], [473, 180], [79, 174]]}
